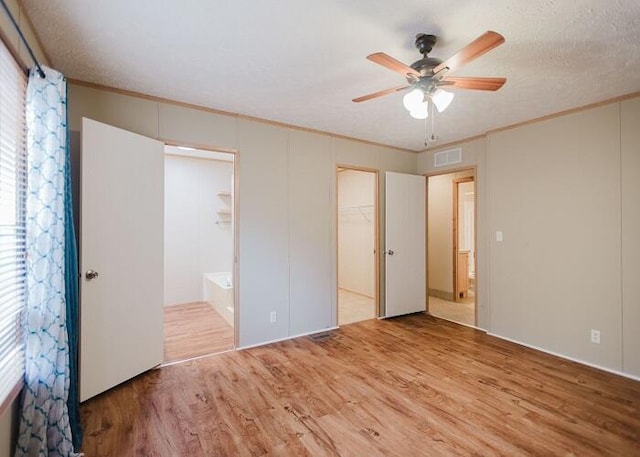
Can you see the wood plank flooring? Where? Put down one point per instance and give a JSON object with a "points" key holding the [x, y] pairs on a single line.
{"points": [[408, 386], [194, 329]]}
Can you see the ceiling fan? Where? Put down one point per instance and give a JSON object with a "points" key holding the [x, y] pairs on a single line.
{"points": [[427, 77]]}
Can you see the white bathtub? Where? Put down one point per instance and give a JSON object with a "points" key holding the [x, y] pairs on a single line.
{"points": [[218, 292]]}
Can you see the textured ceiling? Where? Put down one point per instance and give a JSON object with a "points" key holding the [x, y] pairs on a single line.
{"points": [[301, 62]]}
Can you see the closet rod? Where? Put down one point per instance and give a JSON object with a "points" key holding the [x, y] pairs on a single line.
{"points": [[24, 40]]}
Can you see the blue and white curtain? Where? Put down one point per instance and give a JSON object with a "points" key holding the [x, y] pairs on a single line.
{"points": [[45, 427]]}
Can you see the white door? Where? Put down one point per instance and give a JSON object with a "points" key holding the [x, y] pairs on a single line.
{"points": [[122, 231], [405, 249]]}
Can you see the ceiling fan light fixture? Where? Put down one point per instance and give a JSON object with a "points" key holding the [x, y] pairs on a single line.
{"points": [[413, 99], [442, 99], [421, 111]]}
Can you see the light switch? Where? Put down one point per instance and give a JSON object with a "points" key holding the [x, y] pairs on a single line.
{"points": [[499, 236]]}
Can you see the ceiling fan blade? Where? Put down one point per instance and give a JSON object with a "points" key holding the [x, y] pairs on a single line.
{"points": [[392, 64], [475, 83], [484, 43], [379, 94]]}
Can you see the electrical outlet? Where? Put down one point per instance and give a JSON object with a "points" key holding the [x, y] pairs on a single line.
{"points": [[595, 336], [274, 317]]}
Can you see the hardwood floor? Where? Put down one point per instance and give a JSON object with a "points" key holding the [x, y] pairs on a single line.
{"points": [[194, 329], [414, 385]]}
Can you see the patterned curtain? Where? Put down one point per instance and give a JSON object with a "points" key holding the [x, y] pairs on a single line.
{"points": [[44, 424]]}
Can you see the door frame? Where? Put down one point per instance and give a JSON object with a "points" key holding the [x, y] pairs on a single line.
{"points": [[456, 207], [473, 168], [235, 217], [376, 234]]}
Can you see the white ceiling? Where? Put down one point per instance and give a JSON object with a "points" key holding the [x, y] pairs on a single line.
{"points": [[301, 62]]}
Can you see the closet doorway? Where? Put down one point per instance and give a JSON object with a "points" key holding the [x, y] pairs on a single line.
{"points": [[199, 246], [357, 228], [451, 244]]}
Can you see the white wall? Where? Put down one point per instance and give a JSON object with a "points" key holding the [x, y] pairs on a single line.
{"points": [[356, 231], [555, 194], [311, 250], [194, 243], [577, 151], [565, 193], [286, 202], [630, 180]]}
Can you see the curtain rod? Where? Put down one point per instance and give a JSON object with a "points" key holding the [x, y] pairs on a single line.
{"points": [[24, 40]]}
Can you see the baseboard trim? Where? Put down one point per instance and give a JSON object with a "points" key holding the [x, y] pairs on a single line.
{"points": [[566, 357], [357, 293], [456, 322], [444, 295], [278, 340]]}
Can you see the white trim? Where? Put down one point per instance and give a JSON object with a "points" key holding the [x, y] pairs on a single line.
{"points": [[193, 153], [313, 332], [566, 357], [456, 322]]}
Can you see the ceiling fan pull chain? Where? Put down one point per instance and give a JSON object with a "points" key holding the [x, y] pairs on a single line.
{"points": [[433, 124], [426, 132], [432, 138]]}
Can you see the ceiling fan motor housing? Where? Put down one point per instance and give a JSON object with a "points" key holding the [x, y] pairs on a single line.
{"points": [[424, 66], [425, 43]]}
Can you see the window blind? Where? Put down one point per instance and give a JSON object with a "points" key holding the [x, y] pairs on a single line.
{"points": [[13, 183]]}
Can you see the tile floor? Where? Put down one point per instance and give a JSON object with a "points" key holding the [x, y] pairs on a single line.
{"points": [[462, 312], [354, 307]]}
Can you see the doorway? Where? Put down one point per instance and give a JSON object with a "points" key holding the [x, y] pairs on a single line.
{"points": [[451, 246], [357, 233], [199, 283]]}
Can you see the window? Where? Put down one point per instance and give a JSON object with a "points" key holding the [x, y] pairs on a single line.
{"points": [[13, 183]]}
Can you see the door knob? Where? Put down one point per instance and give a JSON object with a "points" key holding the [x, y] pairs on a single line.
{"points": [[389, 252], [90, 274]]}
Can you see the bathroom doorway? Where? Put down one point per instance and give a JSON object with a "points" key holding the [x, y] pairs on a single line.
{"points": [[199, 283], [451, 248], [357, 228]]}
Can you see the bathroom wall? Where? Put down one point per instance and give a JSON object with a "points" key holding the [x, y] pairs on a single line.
{"points": [[356, 237], [194, 243]]}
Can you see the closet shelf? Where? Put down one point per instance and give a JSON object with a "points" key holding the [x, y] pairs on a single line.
{"points": [[224, 193], [224, 212]]}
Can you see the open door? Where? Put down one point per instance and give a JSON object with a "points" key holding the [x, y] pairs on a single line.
{"points": [[405, 237], [121, 256]]}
